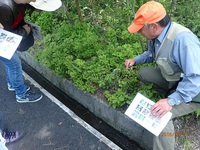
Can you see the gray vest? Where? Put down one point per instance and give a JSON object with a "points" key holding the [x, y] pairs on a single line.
{"points": [[169, 70]]}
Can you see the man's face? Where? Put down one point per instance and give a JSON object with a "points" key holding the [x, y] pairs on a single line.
{"points": [[151, 31], [24, 1], [146, 31]]}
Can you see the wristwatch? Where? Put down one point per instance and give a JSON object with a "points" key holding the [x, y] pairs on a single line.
{"points": [[170, 101]]}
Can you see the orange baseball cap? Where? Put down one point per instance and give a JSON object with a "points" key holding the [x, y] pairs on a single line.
{"points": [[150, 12]]}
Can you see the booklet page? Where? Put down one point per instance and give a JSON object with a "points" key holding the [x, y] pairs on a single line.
{"points": [[139, 111], [8, 43]]}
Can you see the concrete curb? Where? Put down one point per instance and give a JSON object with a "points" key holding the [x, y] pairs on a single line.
{"points": [[113, 117]]}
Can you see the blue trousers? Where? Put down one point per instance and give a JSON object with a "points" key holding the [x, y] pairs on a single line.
{"points": [[14, 74]]}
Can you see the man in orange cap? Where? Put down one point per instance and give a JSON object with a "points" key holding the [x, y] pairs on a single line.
{"points": [[176, 51]]}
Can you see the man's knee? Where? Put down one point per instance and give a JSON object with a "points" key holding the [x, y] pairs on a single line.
{"points": [[143, 74]]}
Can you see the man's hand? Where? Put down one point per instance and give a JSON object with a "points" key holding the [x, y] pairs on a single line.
{"points": [[160, 108], [129, 62]]}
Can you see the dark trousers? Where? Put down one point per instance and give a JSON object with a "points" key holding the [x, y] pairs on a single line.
{"points": [[152, 75]]}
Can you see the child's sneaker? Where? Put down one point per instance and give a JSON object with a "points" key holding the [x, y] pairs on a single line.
{"points": [[10, 88], [29, 97], [11, 136]]}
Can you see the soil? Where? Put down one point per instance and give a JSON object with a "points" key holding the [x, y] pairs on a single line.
{"points": [[187, 132]]}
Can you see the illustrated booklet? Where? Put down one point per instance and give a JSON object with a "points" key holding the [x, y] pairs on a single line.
{"points": [[139, 111], [9, 42]]}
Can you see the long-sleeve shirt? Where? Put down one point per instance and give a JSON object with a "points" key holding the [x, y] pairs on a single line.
{"points": [[186, 53]]}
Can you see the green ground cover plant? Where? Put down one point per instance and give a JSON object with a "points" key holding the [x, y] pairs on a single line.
{"points": [[87, 42]]}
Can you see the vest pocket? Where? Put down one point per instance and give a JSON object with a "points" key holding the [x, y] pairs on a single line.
{"points": [[164, 66]]}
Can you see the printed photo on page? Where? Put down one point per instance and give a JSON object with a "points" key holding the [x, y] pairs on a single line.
{"points": [[139, 111]]}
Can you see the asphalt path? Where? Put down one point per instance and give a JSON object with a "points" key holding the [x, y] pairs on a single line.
{"points": [[47, 124]]}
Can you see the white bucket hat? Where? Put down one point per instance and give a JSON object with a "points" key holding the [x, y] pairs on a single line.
{"points": [[46, 5]]}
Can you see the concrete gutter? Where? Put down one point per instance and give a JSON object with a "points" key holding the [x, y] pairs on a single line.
{"points": [[113, 117]]}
